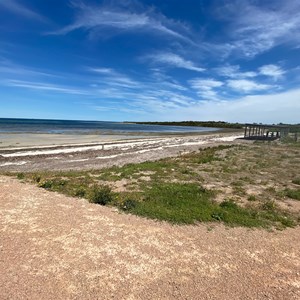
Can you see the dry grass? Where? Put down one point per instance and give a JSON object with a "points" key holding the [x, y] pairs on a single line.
{"points": [[260, 179]]}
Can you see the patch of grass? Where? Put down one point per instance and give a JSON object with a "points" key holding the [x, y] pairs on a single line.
{"points": [[175, 202], [172, 191], [294, 194], [251, 198], [270, 190], [206, 155], [269, 206], [296, 181], [190, 203], [80, 192], [55, 184], [128, 204], [101, 195], [20, 176]]}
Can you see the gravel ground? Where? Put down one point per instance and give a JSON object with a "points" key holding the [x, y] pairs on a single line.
{"points": [[57, 247]]}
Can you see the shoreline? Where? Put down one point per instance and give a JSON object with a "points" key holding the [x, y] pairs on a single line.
{"points": [[17, 140], [91, 154]]}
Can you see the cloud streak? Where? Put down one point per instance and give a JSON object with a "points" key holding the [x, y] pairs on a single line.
{"points": [[273, 108], [174, 60], [123, 20], [247, 86], [44, 87], [253, 29], [21, 10]]}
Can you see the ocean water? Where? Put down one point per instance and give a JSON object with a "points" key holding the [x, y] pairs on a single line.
{"points": [[89, 127]]}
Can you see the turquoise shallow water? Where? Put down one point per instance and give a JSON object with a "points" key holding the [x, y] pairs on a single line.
{"points": [[86, 127]]}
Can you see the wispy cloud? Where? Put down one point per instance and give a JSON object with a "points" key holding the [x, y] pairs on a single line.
{"points": [[273, 108], [272, 71], [118, 109], [255, 29], [173, 60], [246, 86], [19, 9], [133, 17], [9, 68], [105, 71], [44, 86], [206, 87], [115, 78], [234, 72]]}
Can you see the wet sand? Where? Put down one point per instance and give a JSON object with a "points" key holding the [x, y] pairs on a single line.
{"points": [[12, 140]]}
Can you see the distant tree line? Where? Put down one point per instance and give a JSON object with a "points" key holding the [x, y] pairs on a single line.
{"points": [[218, 124]]}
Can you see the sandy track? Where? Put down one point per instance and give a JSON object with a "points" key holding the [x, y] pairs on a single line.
{"points": [[56, 247]]}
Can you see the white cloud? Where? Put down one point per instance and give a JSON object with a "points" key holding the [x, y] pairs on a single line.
{"points": [[271, 71], [44, 86], [257, 29], [118, 109], [105, 71], [114, 78], [174, 60], [123, 19], [243, 85], [234, 72], [205, 87], [199, 83], [8, 68], [273, 108], [19, 9]]}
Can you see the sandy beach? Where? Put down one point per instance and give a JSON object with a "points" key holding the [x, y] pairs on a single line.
{"points": [[16, 140], [78, 152]]}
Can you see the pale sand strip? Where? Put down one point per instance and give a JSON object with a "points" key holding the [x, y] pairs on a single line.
{"points": [[170, 142], [20, 163]]}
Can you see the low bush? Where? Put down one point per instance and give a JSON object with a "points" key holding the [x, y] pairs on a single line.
{"points": [[296, 181], [294, 194], [101, 195]]}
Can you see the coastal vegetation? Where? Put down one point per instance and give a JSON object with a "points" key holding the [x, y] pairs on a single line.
{"points": [[243, 185], [214, 124]]}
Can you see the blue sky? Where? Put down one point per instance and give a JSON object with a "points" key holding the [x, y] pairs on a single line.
{"points": [[235, 61]]}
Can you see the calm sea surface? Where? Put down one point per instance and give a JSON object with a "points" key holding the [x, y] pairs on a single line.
{"points": [[88, 127]]}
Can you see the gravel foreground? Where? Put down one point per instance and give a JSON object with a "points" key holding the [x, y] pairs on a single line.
{"points": [[57, 247]]}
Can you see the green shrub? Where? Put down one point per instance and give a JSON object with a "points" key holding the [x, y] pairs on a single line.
{"points": [[46, 184], [80, 192], [251, 198], [269, 206], [294, 194], [229, 204], [101, 195], [55, 184], [296, 181], [128, 204], [36, 178], [20, 175]]}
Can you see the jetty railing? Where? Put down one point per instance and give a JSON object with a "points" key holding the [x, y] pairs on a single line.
{"points": [[271, 132]]}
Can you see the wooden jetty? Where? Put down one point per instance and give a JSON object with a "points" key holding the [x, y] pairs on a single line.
{"points": [[270, 132]]}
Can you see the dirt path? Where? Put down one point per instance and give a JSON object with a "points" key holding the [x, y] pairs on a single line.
{"points": [[55, 247]]}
